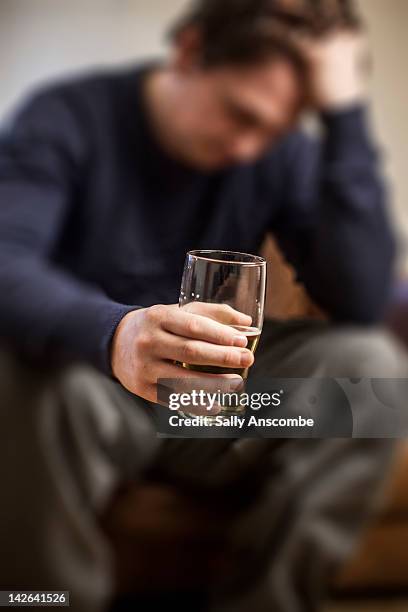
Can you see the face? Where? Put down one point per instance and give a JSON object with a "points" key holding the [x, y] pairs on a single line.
{"points": [[231, 115]]}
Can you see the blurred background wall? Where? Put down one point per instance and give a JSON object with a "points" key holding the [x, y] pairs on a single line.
{"points": [[44, 38]]}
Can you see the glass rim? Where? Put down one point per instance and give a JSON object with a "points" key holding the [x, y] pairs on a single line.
{"points": [[205, 255]]}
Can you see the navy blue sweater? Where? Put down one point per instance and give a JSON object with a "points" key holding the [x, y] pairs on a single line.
{"points": [[95, 220]]}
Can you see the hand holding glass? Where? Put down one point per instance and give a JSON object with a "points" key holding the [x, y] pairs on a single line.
{"points": [[236, 280]]}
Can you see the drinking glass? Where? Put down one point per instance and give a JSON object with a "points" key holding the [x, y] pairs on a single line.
{"points": [[225, 277]]}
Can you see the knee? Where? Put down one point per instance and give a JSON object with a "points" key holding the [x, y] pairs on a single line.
{"points": [[82, 393], [91, 401], [358, 352], [34, 398], [95, 406], [28, 392]]}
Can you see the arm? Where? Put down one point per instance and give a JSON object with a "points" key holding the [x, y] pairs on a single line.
{"points": [[43, 310], [333, 225], [46, 312]]}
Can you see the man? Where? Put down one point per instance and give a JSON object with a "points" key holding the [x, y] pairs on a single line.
{"points": [[105, 182]]}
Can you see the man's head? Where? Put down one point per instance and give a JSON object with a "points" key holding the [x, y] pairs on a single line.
{"points": [[238, 78]]}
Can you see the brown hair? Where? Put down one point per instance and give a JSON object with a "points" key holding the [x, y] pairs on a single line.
{"points": [[248, 31]]}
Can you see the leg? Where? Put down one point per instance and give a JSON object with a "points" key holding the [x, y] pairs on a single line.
{"points": [[318, 493], [68, 438], [314, 348]]}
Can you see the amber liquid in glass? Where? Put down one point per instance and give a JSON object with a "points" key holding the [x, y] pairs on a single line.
{"points": [[253, 334]]}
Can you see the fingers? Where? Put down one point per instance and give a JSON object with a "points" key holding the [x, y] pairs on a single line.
{"points": [[165, 397], [208, 382], [197, 352], [202, 390], [172, 379], [223, 313], [182, 323]]}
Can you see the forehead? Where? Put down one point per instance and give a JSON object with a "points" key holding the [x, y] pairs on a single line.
{"points": [[261, 88]]}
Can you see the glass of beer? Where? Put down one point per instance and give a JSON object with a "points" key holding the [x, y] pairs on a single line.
{"points": [[225, 277]]}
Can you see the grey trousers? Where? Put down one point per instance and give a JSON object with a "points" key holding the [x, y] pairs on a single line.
{"points": [[70, 436]]}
